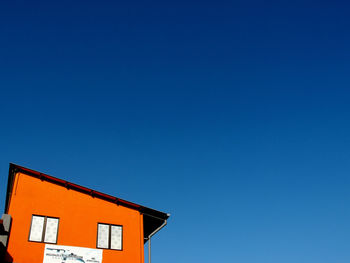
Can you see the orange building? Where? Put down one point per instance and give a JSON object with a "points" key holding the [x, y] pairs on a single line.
{"points": [[57, 221]]}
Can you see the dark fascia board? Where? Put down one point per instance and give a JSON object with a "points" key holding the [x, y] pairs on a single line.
{"points": [[14, 168]]}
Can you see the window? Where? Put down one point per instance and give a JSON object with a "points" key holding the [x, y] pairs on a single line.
{"points": [[109, 236], [44, 229]]}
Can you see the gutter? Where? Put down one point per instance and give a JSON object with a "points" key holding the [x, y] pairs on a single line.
{"points": [[153, 233]]}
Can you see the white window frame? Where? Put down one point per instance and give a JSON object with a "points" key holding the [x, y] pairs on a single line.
{"points": [[110, 236], [43, 236]]}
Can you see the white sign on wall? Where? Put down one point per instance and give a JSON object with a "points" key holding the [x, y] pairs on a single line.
{"points": [[68, 254]]}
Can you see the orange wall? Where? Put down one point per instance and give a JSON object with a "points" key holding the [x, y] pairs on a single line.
{"points": [[79, 214]]}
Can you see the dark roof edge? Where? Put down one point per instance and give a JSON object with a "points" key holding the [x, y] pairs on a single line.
{"points": [[14, 168], [10, 180]]}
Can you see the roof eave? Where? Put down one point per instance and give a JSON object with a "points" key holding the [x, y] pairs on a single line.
{"points": [[14, 168]]}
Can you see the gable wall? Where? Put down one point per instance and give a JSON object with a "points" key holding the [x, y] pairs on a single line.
{"points": [[79, 214]]}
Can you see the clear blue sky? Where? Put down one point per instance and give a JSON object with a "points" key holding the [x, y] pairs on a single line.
{"points": [[231, 116]]}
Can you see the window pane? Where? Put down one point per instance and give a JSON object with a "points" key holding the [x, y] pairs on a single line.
{"points": [[102, 236], [51, 230], [116, 237], [36, 231]]}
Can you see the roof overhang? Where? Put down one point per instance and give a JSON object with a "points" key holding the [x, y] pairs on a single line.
{"points": [[153, 219]]}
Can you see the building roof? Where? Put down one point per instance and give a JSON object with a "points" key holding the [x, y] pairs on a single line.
{"points": [[153, 219]]}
